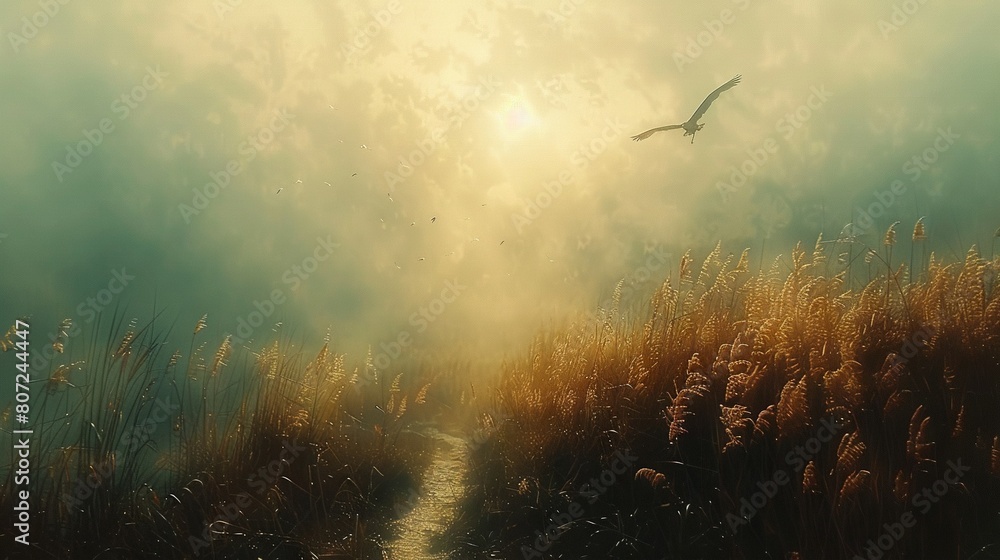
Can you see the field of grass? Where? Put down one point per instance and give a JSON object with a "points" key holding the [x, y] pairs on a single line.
{"points": [[140, 454], [795, 413]]}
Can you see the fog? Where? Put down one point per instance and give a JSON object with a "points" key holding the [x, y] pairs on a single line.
{"points": [[449, 177]]}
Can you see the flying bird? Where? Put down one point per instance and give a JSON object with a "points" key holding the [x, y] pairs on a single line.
{"points": [[691, 127]]}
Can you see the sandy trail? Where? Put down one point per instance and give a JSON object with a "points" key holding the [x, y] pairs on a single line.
{"points": [[431, 508]]}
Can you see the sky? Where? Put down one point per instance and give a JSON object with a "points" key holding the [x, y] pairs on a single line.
{"points": [[446, 178]]}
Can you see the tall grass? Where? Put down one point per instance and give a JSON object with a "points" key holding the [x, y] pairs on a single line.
{"points": [[729, 372], [209, 453]]}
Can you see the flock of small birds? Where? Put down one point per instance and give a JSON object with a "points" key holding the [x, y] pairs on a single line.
{"points": [[327, 183]]}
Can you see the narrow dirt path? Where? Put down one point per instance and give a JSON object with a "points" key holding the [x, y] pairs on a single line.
{"points": [[431, 509]]}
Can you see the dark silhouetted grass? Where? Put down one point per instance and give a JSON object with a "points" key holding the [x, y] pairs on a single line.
{"points": [[220, 453]]}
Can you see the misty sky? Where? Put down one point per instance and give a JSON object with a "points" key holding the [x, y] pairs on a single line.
{"points": [[460, 173]]}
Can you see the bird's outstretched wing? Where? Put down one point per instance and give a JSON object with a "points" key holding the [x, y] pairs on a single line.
{"points": [[712, 97], [652, 131]]}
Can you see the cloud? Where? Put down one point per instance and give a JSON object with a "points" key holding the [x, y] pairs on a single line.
{"points": [[370, 82]]}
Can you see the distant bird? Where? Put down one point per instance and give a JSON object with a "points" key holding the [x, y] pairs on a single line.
{"points": [[354, 175], [279, 190], [691, 127], [433, 219]]}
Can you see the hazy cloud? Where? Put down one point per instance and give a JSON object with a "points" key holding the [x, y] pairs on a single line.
{"points": [[484, 112]]}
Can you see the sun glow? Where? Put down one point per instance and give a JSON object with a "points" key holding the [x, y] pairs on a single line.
{"points": [[516, 116]]}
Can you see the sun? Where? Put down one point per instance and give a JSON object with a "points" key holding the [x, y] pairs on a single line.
{"points": [[515, 116]]}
